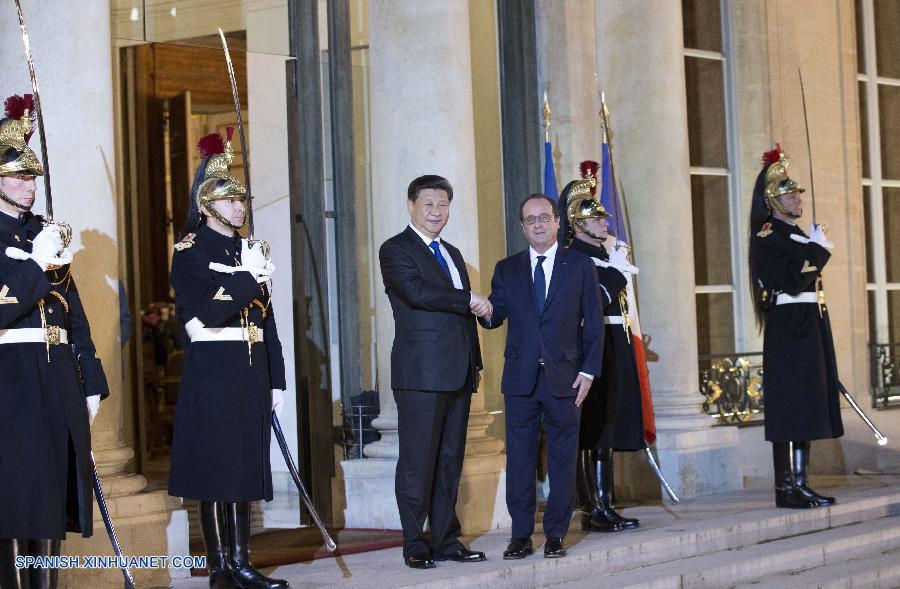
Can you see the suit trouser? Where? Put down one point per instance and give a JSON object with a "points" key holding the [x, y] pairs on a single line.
{"points": [[432, 429], [561, 419]]}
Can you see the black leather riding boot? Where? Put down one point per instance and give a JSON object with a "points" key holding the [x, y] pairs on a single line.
{"points": [[10, 576], [801, 479], [44, 578], [603, 518], [586, 480], [606, 483], [238, 517], [629, 523], [787, 494], [215, 538]]}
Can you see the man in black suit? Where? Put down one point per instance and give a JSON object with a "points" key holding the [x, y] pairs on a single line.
{"points": [[554, 344], [435, 368]]}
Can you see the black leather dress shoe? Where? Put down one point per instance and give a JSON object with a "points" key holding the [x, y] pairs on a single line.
{"points": [[463, 554], [554, 548], [422, 560], [518, 548]]}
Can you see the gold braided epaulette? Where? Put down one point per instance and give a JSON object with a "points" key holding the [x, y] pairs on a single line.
{"points": [[186, 242], [765, 231]]}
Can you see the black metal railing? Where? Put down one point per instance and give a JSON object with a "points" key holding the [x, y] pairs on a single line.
{"points": [[883, 359], [357, 423], [732, 387]]}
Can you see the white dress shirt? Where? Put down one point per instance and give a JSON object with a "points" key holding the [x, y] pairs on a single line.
{"points": [[454, 272], [547, 265]]}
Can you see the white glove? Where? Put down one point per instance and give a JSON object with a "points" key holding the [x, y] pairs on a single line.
{"points": [[252, 255], [618, 256], [254, 260], [93, 406], [64, 257], [48, 243], [46, 249], [817, 235], [260, 274], [277, 402], [266, 273], [618, 259]]}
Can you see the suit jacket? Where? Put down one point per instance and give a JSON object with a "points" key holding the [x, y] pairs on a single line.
{"points": [[567, 336], [435, 335]]}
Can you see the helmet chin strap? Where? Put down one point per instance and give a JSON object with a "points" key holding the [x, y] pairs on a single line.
{"points": [[212, 212], [588, 232], [773, 204], [10, 201]]}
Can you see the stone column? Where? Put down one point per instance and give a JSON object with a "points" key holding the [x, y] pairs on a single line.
{"points": [[77, 96], [641, 68], [421, 123], [567, 63]]}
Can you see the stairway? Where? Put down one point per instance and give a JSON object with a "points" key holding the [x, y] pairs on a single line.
{"points": [[733, 540], [855, 543]]}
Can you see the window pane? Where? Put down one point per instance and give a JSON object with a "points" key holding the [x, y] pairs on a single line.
{"points": [[712, 230], [249, 25], [715, 324], [702, 24], [889, 104], [894, 316], [870, 248], [873, 330], [860, 40], [864, 129], [887, 37], [706, 112], [891, 208]]}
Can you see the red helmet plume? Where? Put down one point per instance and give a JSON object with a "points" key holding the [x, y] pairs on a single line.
{"points": [[770, 157], [211, 144], [17, 105], [592, 167]]}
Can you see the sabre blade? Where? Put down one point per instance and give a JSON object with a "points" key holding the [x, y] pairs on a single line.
{"points": [[45, 161], [882, 440], [110, 530], [295, 474], [812, 187], [236, 99], [660, 476]]}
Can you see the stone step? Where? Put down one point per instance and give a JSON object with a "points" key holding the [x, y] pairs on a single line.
{"points": [[722, 528], [686, 538], [745, 564], [877, 571]]}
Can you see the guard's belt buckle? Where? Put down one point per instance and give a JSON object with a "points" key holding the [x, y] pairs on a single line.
{"points": [[253, 333], [51, 335]]}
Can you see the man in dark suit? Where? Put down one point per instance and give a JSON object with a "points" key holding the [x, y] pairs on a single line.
{"points": [[435, 368], [548, 295]]}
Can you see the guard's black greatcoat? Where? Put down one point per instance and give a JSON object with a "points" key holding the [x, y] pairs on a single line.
{"points": [[45, 436], [800, 377], [220, 445], [611, 415]]}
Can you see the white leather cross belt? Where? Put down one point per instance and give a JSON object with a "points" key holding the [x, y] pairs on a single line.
{"points": [[198, 333], [803, 297], [614, 320], [50, 335]]}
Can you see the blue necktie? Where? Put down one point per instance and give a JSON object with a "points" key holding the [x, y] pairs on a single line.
{"points": [[540, 284], [436, 248]]}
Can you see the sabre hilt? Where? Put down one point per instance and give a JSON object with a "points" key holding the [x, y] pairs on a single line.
{"points": [[265, 245]]}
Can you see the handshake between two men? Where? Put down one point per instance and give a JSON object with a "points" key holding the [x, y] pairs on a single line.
{"points": [[480, 305]]}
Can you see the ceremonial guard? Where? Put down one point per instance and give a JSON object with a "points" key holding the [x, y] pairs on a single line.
{"points": [[800, 378], [51, 379], [233, 374], [611, 416]]}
